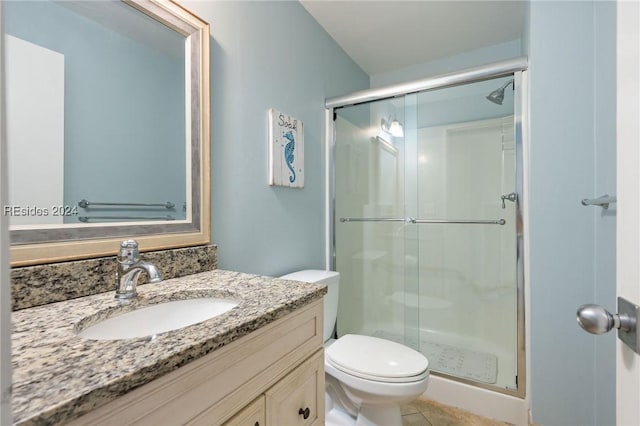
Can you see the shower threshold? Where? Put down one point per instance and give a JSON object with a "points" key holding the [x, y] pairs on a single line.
{"points": [[454, 361]]}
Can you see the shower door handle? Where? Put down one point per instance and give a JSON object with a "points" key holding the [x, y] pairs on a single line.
{"points": [[597, 320], [374, 219]]}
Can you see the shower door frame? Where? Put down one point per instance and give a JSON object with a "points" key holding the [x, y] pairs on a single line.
{"points": [[514, 67]]}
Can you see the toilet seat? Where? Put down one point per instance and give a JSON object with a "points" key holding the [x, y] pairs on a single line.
{"points": [[376, 359]]}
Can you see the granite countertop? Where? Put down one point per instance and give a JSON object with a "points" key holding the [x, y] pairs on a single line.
{"points": [[58, 376]]}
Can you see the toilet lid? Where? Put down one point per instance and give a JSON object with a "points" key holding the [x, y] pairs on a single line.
{"points": [[376, 359]]}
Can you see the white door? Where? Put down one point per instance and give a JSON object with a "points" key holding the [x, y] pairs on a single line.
{"points": [[628, 188]]}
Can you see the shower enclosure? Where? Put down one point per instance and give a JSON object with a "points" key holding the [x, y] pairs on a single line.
{"points": [[427, 230]]}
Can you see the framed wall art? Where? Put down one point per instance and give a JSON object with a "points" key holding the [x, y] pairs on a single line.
{"points": [[286, 150]]}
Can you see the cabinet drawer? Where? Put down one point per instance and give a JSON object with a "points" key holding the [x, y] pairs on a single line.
{"points": [[298, 399], [252, 415]]}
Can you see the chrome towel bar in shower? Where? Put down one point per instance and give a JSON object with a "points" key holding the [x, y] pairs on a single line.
{"points": [[86, 219], [461, 222], [420, 221], [84, 204], [603, 201], [372, 219]]}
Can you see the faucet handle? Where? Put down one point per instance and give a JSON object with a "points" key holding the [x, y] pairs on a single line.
{"points": [[129, 252]]}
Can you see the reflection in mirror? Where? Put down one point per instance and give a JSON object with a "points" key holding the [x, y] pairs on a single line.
{"points": [[95, 95], [107, 114]]}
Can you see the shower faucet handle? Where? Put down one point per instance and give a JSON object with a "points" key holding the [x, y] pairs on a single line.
{"points": [[511, 197]]}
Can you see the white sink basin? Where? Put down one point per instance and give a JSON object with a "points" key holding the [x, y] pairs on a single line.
{"points": [[158, 318]]}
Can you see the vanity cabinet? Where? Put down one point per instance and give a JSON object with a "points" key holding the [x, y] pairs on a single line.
{"points": [[297, 399], [272, 376]]}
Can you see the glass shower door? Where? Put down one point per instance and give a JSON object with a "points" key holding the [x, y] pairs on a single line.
{"points": [[371, 232], [466, 213], [425, 228]]}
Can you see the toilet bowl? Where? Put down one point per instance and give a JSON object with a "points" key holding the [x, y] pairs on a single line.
{"points": [[367, 378]]}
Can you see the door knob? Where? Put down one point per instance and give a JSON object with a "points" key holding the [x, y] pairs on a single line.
{"points": [[597, 320]]}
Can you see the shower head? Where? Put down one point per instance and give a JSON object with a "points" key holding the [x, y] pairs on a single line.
{"points": [[497, 96]]}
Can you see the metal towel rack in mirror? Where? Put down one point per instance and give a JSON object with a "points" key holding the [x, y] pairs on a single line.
{"points": [[85, 204], [87, 219]]}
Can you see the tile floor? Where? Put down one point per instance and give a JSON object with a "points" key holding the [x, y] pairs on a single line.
{"points": [[422, 412]]}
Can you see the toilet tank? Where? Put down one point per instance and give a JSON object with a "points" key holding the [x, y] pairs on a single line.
{"points": [[332, 280]]}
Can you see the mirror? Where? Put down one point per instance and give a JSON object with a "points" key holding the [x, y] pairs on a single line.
{"points": [[107, 127]]}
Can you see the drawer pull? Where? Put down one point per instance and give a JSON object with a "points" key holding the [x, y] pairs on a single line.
{"points": [[257, 424], [304, 413]]}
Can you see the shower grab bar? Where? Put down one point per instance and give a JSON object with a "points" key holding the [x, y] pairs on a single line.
{"points": [[86, 219], [420, 221], [603, 201], [84, 204]]}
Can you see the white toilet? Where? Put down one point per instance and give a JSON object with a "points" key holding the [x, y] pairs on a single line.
{"points": [[367, 378]]}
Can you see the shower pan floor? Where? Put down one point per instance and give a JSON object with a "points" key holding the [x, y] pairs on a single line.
{"points": [[451, 360]]}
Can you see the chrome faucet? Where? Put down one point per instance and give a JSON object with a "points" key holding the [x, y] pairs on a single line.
{"points": [[129, 268]]}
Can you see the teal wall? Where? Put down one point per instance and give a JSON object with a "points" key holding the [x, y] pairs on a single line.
{"points": [[605, 221], [269, 55], [572, 247]]}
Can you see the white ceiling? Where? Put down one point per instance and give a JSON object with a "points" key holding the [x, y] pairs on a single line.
{"points": [[383, 36]]}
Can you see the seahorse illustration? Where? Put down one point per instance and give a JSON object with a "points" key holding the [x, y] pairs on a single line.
{"points": [[288, 154]]}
